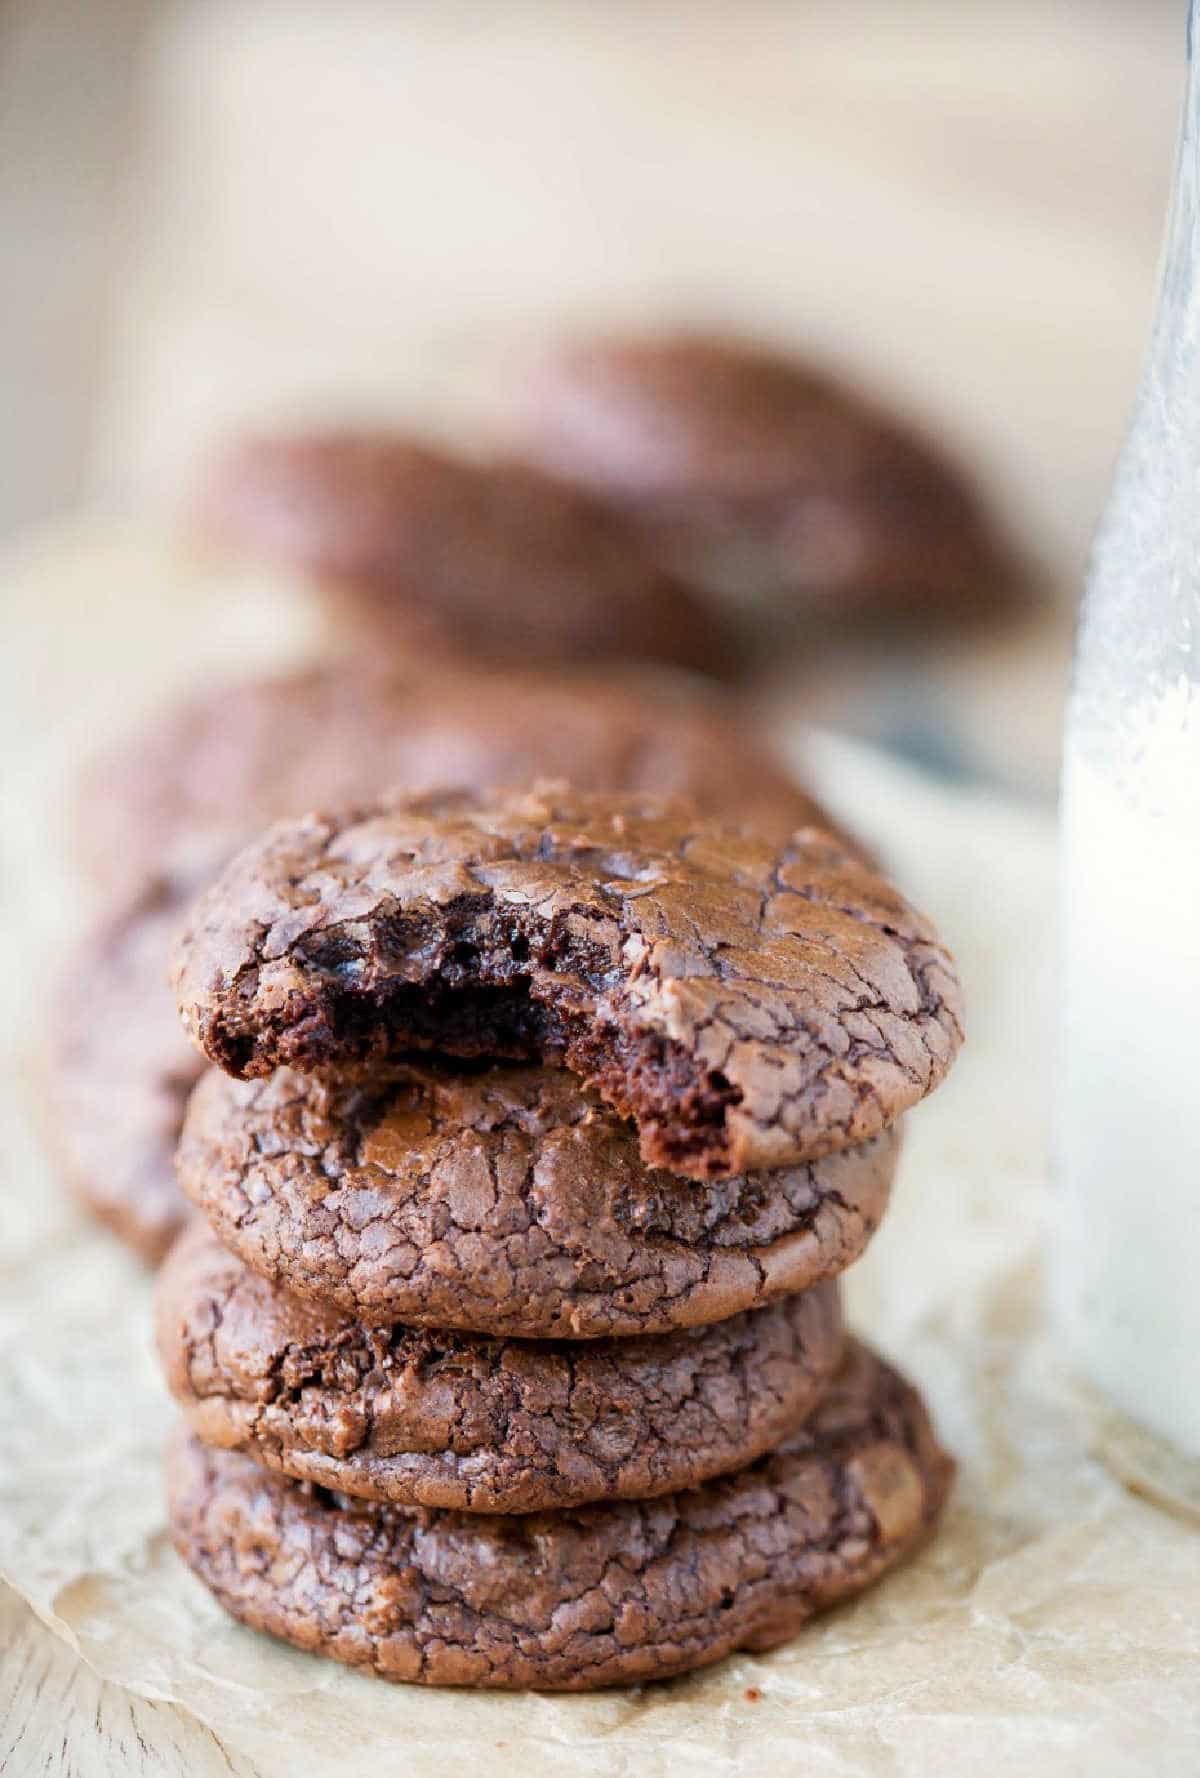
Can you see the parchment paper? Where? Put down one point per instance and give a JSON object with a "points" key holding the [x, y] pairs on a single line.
{"points": [[1052, 1627]]}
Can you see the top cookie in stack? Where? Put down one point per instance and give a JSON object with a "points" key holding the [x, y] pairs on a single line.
{"points": [[747, 1005], [645, 1441]]}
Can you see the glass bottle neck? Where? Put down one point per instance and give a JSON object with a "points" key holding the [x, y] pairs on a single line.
{"points": [[1176, 323], [1138, 654]]}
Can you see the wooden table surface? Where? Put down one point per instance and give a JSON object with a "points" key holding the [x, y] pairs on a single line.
{"points": [[57, 1717]]}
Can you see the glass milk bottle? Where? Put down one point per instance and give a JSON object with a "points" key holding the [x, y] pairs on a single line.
{"points": [[1129, 1125]]}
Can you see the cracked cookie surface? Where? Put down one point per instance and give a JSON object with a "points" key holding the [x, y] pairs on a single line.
{"points": [[748, 1004], [438, 554], [428, 1417], [762, 477], [505, 1200], [602, 1595], [201, 777], [118, 1072]]}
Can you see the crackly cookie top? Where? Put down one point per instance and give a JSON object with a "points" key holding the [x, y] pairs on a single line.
{"points": [[428, 1417], [747, 463], [119, 1071], [506, 1200], [607, 1594], [185, 789], [493, 561], [747, 1004]]}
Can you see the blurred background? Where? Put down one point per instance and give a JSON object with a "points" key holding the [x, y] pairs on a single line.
{"points": [[221, 210]]}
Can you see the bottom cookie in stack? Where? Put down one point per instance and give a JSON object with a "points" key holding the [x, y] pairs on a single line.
{"points": [[613, 1593]]}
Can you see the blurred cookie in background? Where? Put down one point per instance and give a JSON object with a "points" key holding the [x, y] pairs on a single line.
{"points": [[767, 480], [430, 554], [201, 777], [118, 1071]]}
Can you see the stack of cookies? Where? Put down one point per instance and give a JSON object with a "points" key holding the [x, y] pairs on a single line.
{"points": [[541, 1126]]}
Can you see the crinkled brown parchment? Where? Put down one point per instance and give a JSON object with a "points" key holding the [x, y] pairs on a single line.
{"points": [[1052, 1628]]}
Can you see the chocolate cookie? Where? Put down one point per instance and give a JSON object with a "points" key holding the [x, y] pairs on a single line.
{"points": [[208, 773], [424, 1417], [568, 1601], [438, 554], [748, 1005], [119, 1071], [764, 477], [507, 1201]]}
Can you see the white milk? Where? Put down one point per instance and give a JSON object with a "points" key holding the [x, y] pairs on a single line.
{"points": [[1130, 1102], [1129, 1109]]}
